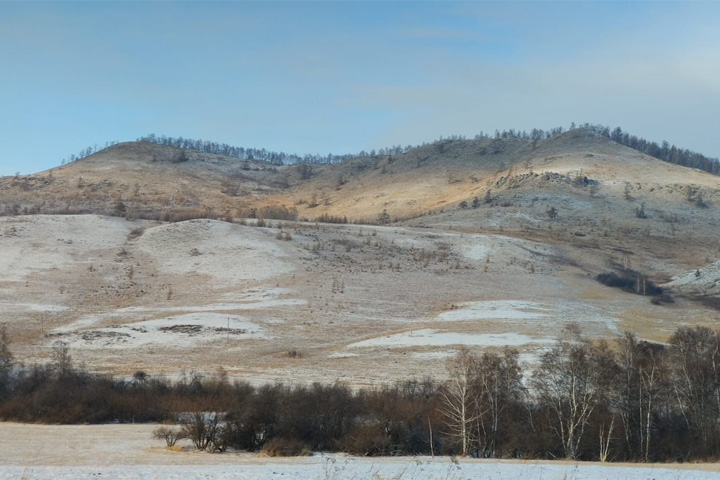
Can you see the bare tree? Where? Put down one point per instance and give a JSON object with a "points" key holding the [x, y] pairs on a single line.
{"points": [[498, 383], [170, 435], [567, 385], [202, 428], [6, 362], [457, 398], [6, 357], [61, 358], [695, 354]]}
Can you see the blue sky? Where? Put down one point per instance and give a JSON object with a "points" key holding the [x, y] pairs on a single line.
{"points": [[320, 77]]}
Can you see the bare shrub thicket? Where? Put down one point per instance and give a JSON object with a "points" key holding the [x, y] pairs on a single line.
{"points": [[628, 401]]}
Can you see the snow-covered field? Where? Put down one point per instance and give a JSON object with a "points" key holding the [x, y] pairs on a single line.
{"points": [[331, 468], [129, 452]]}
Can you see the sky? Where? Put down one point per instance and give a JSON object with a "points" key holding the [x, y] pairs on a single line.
{"points": [[341, 77]]}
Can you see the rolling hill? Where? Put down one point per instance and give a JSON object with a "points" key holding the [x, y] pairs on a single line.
{"points": [[144, 256]]}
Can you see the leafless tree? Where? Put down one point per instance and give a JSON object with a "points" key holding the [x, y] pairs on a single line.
{"points": [[6, 357], [567, 386], [695, 362], [498, 384], [458, 402], [170, 435], [202, 428]]}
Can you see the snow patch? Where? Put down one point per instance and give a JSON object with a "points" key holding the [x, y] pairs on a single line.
{"points": [[498, 247], [181, 331], [290, 302], [229, 253], [497, 309], [703, 281], [430, 337], [433, 355], [30, 307], [343, 355]]}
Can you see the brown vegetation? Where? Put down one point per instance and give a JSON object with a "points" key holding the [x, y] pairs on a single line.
{"points": [[632, 401]]}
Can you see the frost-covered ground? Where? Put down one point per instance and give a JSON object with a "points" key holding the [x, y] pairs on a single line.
{"points": [[436, 338], [702, 281], [361, 304], [326, 468], [130, 452]]}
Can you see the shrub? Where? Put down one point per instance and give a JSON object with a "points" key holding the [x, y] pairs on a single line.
{"points": [[630, 281], [327, 218], [286, 447], [170, 435], [276, 212], [201, 428]]}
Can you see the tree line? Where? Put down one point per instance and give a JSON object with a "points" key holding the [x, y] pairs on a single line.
{"points": [[663, 151], [631, 400], [272, 157]]}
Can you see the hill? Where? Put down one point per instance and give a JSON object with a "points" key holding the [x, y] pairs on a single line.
{"points": [[481, 242]]}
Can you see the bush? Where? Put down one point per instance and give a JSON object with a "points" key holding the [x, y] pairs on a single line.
{"points": [[327, 218], [170, 435], [275, 212], [202, 429], [630, 281], [368, 441], [286, 447]]}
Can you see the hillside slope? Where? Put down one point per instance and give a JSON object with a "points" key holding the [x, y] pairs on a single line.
{"points": [[490, 243]]}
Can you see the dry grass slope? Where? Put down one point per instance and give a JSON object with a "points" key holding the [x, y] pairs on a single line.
{"points": [[488, 242]]}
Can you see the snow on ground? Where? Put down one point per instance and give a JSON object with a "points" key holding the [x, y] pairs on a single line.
{"points": [[288, 302], [8, 307], [438, 355], [129, 452], [45, 242], [495, 247], [324, 468], [343, 355], [226, 252], [256, 294], [180, 331], [499, 309], [432, 337], [703, 281], [586, 314], [193, 324], [527, 312], [125, 451]]}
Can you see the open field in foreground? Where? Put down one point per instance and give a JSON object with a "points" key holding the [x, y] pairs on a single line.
{"points": [[129, 452]]}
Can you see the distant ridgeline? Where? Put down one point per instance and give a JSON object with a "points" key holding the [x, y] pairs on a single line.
{"points": [[664, 151], [275, 158]]}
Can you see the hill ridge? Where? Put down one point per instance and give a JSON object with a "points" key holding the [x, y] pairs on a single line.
{"points": [[663, 151]]}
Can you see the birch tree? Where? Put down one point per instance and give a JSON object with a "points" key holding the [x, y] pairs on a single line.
{"points": [[566, 385], [457, 398], [695, 354], [498, 385]]}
